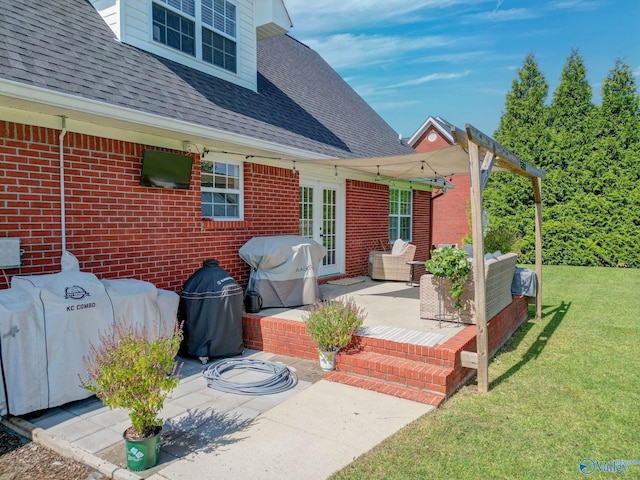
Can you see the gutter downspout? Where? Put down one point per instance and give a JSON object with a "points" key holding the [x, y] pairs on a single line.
{"points": [[63, 222]]}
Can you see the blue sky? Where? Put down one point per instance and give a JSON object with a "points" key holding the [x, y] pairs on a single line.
{"points": [[457, 59]]}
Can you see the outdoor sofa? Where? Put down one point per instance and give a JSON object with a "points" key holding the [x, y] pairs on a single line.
{"points": [[435, 301]]}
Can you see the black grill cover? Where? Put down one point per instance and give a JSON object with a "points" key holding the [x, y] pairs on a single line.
{"points": [[211, 309]]}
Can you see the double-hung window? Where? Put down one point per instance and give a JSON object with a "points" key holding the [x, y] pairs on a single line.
{"points": [[208, 34], [399, 214], [221, 190], [219, 33], [175, 28]]}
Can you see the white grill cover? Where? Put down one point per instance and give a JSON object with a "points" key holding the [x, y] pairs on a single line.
{"points": [[47, 323], [284, 269], [22, 345], [74, 307]]}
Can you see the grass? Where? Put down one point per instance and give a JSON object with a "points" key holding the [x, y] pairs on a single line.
{"points": [[564, 388]]}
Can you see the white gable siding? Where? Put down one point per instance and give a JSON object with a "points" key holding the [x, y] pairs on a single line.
{"points": [[110, 12], [247, 48], [135, 29]]}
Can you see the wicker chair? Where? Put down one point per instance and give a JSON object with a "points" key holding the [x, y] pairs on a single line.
{"points": [[498, 277], [393, 265]]}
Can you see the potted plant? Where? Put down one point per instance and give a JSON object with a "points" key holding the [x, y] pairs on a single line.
{"points": [[450, 263], [131, 371], [331, 324]]}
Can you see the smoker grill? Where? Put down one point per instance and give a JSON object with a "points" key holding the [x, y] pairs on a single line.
{"points": [[211, 309]]}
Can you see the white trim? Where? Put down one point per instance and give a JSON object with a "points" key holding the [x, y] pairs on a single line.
{"points": [[431, 121], [318, 182], [399, 216], [240, 191]]}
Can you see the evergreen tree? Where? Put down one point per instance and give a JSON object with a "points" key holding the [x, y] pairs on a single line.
{"points": [[591, 194], [570, 134], [508, 198], [615, 168]]}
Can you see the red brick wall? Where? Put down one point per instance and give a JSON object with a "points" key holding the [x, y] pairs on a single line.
{"points": [[450, 211], [367, 223], [422, 224], [424, 145], [115, 227]]}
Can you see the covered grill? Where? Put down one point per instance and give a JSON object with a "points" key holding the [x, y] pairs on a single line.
{"points": [[211, 308], [284, 269]]}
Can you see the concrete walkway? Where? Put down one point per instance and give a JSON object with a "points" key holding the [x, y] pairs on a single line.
{"points": [[309, 431]]}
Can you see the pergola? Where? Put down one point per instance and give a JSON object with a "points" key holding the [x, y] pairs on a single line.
{"points": [[477, 155]]}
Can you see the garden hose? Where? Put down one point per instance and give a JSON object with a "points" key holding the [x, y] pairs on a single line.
{"points": [[281, 379]]}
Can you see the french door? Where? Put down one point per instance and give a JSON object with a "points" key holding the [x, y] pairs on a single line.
{"points": [[322, 219]]}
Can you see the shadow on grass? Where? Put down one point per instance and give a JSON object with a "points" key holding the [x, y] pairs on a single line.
{"points": [[557, 314]]}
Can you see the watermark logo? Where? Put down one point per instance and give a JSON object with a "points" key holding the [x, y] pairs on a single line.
{"points": [[589, 466]]}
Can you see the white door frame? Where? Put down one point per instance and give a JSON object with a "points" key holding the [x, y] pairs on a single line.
{"points": [[339, 185]]}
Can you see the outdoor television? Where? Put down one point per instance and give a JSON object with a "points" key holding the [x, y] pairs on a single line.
{"points": [[165, 170]]}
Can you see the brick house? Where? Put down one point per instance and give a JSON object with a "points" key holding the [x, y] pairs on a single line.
{"points": [[450, 206], [87, 87]]}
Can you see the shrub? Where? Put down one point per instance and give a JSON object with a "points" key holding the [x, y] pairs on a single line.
{"points": [[450, 263], [129, 371], [331, 323]]}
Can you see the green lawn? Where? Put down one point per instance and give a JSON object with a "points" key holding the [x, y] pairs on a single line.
{"points": [[564, 388]]}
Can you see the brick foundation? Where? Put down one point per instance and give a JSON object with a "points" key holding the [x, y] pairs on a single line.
{"points": [[420, 373]]}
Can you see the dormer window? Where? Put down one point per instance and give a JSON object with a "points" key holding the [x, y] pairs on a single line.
{"points": [[219, 46], [174, 30], [175, 24]]}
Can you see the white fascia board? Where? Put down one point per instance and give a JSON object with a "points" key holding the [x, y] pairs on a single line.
{"points": [[68, 105], [423, 128]]}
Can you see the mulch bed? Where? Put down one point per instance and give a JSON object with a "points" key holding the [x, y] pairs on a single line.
{"points": [[21, 459]]}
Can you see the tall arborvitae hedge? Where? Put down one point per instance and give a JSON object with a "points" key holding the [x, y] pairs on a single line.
{"points": [[591, 195]]}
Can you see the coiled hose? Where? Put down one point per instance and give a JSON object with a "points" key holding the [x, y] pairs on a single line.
{"points": [[281, 379]]}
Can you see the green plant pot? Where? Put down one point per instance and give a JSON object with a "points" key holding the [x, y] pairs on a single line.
{"points": [[142, 454]]}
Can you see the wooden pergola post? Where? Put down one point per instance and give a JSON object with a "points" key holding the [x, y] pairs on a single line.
{"points": [[537, 197], [482, 336]]}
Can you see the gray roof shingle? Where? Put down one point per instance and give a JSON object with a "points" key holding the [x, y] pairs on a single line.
{"points": [[301, 102]]}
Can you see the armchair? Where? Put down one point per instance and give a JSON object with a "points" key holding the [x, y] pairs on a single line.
{"points": [[392, 266]]}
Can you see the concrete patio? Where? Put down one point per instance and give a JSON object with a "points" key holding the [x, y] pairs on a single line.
{"points": [[395, 305], [403, 368]]}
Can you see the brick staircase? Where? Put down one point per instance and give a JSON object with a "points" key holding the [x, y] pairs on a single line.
{"points": [[426, 374], [408, 371]]}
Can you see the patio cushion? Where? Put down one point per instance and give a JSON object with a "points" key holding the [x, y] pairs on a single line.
{"points": [[399, 246]]}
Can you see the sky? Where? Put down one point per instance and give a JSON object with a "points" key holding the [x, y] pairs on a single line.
{"points": [[457, 59]]}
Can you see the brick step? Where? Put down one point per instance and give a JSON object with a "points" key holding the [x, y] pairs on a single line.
{"points": [[437, 354], [381, 386], [409, 373]]}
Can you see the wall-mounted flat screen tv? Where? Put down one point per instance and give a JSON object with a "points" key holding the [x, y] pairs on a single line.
{"points": [[165, 170]]}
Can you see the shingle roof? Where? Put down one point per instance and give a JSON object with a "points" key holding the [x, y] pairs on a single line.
{"points": [[301, 102]]}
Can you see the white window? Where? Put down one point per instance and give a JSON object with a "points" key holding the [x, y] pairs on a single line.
{"points": [[176, 23], [399, 214], [221, 190]]}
